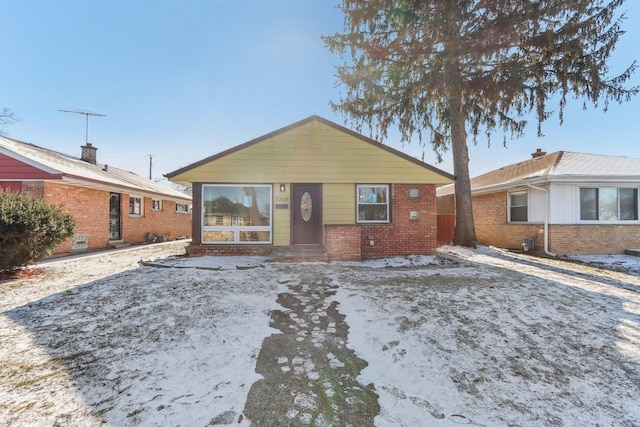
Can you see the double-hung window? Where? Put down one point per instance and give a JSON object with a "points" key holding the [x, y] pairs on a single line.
{"points": [[236, 214], [135, 206], [182, 208], [373, 204], [156, 205], [519, 206], [608, 204]]}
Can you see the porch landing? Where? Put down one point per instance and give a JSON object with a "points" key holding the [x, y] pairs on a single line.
{"points": [[634, 252], [299, 253]]}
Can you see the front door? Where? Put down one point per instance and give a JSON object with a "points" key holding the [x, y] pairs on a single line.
{"points": [[114, 216], [306, 211]]}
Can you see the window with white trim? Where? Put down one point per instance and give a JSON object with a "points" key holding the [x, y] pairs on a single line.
{"points": [[182, 208], [136, 206], [519, 206], [373, 204], [608, 204], [236, 214], [156, 205]]}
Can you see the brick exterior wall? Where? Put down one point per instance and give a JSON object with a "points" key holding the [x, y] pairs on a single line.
{"points": [[166, 222], [404, 236], [492, 229], [90, 208], [343, 242], [593, 239], [257, 250]]}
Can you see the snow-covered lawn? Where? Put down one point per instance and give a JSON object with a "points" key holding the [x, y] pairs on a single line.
{"points": [[478, 337]]}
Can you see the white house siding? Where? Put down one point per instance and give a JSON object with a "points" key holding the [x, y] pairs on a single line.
{"points": [[564, 204], [537, 206]]}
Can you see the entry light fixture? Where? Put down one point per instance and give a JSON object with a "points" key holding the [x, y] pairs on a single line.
{"points": [[282, 188]]}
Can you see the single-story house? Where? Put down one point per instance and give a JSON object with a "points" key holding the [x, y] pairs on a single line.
{"points": [[563, 202], [111, 206], [313, 183]]}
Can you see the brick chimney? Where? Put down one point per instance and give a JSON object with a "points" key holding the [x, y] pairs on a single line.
{"points": [[89, 153], [538, 153]]}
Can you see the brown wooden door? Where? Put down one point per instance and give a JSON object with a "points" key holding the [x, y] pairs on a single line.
{"points": [[306, 211]]}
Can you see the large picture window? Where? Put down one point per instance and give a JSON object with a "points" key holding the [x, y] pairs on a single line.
{"points": [[608, 204], [373, 203], [519, 206], [236, 214]]}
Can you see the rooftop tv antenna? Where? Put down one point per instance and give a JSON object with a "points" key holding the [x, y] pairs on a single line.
{"points": [[86, 114]]}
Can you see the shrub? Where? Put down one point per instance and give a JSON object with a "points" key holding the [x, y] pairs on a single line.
{"points": [[29, 229]]}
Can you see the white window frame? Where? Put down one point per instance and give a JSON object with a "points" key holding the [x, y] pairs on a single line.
{"points": [[235, 227], [359, 203], [180, 211], [159, 203], [141, 199], [608, 221], [510, 206]]}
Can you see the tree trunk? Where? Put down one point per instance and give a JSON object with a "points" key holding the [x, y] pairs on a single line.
{"points": [[465, 233]]}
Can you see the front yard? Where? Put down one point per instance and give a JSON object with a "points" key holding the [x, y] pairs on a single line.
{"points": [[477, 337]]}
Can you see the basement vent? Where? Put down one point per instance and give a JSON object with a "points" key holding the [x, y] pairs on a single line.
{"points": [[79, 243]]}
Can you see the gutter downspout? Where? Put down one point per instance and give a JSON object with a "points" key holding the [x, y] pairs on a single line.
{"points": [[546, 221]]}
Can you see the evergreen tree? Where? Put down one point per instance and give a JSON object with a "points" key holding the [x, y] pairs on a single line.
{"points": [[440, 70]]}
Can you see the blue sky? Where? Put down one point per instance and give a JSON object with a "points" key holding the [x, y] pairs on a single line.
{"points": [[185, 80]]}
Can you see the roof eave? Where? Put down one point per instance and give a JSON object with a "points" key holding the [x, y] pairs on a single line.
{"points": [[100, 185]]}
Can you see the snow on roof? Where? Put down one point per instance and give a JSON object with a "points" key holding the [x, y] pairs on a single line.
{"points": [[557, 165], [596, 165], [77, 170]]}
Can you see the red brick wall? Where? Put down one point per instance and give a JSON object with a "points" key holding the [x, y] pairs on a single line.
{"points": [[492, 229], [90, 208], [165, 222], [404, 236], [33, 188], [343, 242], [197, 250]]}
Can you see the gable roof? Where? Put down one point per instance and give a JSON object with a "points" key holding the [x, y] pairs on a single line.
{"points": [[558, 166], [75, 171], [305, 127]]}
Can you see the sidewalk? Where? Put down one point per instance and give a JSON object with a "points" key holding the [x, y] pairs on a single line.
{"points": [[103, 252]]}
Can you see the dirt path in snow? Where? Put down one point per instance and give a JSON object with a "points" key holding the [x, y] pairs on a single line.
{"points": [[309, 373]]}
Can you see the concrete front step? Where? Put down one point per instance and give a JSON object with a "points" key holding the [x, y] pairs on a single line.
{"points": [[299, 253], [634, 252], [117, 244]]}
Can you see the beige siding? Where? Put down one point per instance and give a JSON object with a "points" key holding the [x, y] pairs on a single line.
{"points": [[281, 217], [313, 152], [338, 207], [339, 203]]}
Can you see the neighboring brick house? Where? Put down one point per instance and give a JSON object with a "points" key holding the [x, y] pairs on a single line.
{"points": [[563, 202], [111, 206], [313, 183]]}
